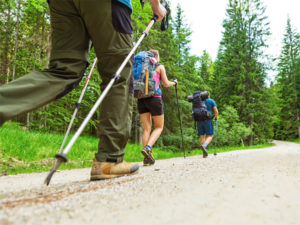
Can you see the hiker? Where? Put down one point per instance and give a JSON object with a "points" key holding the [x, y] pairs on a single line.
{"points": [[75, 24], [151, 108], [205, 128]]}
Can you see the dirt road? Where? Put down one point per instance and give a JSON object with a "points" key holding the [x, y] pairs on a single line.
{"points": [[243, 187]]}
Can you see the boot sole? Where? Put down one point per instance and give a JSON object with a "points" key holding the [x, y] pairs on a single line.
{"points": [[103, 177], [110, 176], [149, 157]]}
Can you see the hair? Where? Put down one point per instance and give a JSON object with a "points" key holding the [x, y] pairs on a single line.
{"points": [[154, 52]]}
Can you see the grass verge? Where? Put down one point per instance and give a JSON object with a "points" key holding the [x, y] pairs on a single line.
{"points": [[23, 151], [297, 140]]}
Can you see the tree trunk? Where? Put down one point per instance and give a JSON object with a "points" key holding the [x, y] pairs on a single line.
{"points": [[4, 69], [36, 38], [43, 122], [48, 49], [42, 42], [28, 121], [16, 40]]}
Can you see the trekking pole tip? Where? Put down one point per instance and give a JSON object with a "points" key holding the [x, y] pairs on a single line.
{"points": [[60, 158]]}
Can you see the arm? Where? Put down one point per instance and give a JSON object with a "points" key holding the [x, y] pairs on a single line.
{"points": [[158, 9], [162, 71], [216, 112]]}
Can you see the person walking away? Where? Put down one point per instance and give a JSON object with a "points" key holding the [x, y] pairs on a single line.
{"points": [[152, 109], [75, 24], [206, 128]]}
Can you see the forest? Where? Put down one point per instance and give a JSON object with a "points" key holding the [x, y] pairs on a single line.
{"points": [[252, 108]]}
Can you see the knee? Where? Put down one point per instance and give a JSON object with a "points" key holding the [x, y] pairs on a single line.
{"points": [[159, 127], [72, 68]]}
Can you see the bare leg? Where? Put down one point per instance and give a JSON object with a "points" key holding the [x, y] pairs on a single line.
{"points": [[209, 139], [202, 139], [158, 128], [146, 121]]}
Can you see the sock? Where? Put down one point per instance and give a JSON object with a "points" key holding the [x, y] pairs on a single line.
{"points": [[205, 145], [149, 147]]}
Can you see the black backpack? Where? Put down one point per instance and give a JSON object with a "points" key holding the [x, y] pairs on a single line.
{"points": [[200, 112]]}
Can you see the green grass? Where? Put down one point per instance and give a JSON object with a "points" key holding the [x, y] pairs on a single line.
{"points": [[23, 151], [297, 140]]}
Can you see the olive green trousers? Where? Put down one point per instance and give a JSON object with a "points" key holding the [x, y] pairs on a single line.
{"points": [[74, 24]]}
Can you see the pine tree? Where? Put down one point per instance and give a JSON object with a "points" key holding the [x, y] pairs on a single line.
{"points": [[182, 36], [288, 80], [239, 73]]}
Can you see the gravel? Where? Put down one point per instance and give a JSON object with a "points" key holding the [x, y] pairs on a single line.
{"points": [[241, 187]]}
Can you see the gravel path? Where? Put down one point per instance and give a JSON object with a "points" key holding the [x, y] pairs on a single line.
{"points": [[242, 187]]}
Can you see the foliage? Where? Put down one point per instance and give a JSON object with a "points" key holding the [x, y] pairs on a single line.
{"points": [[230, 131], [236, 80], [288, 86], [240, 73], [296, 140]]}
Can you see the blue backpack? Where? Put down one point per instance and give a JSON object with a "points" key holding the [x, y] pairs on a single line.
{"points": [[143, 71]]}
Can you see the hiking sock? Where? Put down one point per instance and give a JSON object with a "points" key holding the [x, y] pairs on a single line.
{"points": [[149, 147], [203, 147]]}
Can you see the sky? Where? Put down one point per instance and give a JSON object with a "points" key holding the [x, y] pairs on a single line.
{"points": [[205, 20]]}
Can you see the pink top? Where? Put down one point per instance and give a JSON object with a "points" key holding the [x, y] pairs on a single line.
{"points": [[156, 79]]}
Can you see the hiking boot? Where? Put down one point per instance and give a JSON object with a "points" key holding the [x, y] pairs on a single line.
{"points": [[106, 170], [147, 152], [205, 154], [147, 162]]}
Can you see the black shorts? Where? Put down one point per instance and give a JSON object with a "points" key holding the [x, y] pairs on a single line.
{"points": [[154, 105]]}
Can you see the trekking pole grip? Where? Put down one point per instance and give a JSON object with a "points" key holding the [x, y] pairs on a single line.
{"points": [[175, 81]]}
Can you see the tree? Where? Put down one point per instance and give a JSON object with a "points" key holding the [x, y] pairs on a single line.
{"points": [[5, 38], [288, 80], [239, 72], [16, 38], [182, 36]]}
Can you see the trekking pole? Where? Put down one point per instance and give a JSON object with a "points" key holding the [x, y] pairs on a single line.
{"points": [[77, 104], [215, 153], [182, 142], [62, 157]]}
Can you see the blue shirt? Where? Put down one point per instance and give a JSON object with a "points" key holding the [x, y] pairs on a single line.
{"points": [[126, 2], [210, 103]]}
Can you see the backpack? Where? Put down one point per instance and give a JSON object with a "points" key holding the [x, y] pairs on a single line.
{"points": [[200, 112], [143, 71]]}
